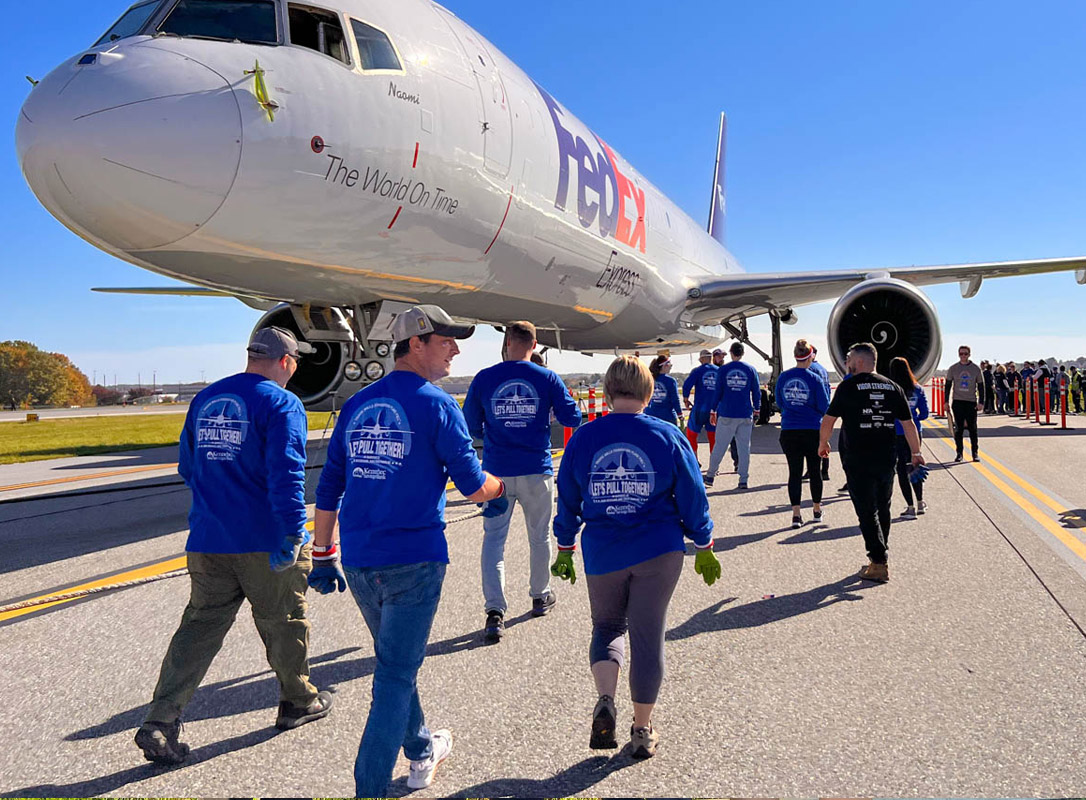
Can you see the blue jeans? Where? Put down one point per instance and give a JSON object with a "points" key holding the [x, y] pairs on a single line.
{"points": [[398, 603]]}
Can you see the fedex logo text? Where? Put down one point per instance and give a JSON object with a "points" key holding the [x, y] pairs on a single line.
{"points": [[597, 169]]}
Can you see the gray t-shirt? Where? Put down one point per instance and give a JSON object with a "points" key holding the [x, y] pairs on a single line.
{"points": [[965, 382]]}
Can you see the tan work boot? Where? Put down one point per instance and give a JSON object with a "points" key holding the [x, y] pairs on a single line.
{"points": [[880, 573], [643, 741]]}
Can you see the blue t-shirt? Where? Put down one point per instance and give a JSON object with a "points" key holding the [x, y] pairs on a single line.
{"points": [[738, 392], [802, 398], [509, 407], [918, 404], [665, 400], [633, 482], [702, 379], [396, 444], [243, 455]]}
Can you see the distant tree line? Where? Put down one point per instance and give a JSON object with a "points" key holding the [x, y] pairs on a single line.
{"points": [[33, 377]]}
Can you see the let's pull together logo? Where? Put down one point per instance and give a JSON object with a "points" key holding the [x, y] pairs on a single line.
{"points": [[604, 195]]}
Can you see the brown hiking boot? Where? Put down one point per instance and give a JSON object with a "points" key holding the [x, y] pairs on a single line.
{"points": [[880, 573], [158, 741], [292, 716]]}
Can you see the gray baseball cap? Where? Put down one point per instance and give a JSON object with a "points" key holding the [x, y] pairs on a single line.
{"points": [[705, 354], [420, 320], [274, 343]]}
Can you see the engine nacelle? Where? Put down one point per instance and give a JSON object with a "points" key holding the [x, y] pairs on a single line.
{"points": [[319, 378], [894, 316]]}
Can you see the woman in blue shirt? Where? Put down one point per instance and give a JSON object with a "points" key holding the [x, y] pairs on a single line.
{"points": [[665, 393], [902, 375], [634, 483], [802, 397]]}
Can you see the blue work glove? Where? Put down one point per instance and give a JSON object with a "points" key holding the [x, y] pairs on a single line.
{"points": [[495, 507], [563, 567], [918, 474], [328, 577], [287, 554], [707, 565]]}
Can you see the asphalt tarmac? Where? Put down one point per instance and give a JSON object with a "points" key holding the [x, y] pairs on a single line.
{"points": [[962, 677]]}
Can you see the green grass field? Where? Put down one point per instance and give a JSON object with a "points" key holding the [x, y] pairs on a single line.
{"points": [[88, 436]]}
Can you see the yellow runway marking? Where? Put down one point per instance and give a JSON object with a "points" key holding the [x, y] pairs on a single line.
{"points": [[1046, 521], [160, 568], [95, 476]]}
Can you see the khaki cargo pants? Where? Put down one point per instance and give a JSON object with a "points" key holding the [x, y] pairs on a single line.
{"points": [[220, 582]]}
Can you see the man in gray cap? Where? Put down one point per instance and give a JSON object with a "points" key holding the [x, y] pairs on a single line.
{"points": [[397, 443], [242, 453]]}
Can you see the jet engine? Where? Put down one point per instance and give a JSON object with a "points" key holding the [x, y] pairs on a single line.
{"points": [[320, 375], [892, 315]]}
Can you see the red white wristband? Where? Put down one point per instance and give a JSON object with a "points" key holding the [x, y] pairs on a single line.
{"points": [[330, 553], [569, 549], [704, 546]]}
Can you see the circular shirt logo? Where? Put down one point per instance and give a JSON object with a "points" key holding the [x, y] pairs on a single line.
{"points": [[622, 479]]}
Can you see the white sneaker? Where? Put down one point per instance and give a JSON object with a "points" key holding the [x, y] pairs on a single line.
{"points": [[909, 513], [422, 772], [922, 507]]}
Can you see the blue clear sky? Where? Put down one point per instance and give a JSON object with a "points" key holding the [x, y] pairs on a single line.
{"points": [[861, 134]]}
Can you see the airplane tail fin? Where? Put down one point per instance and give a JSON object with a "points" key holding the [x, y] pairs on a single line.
{"points": [[718, 206]]}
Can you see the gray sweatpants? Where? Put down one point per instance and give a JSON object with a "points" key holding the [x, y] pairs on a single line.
{"points": [[634, 599]]}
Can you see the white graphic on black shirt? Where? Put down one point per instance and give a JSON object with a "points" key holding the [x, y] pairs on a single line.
{"points": [[378, 439], [622, 478], [221, 426]]}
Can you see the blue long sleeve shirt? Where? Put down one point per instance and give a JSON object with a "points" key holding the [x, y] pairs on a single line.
{"points": [[665, 400], [633, 482], [508, 406], [702, 380], [802, 398], [738, 392], [918, 404], [820, 371], [242, 452], [396, 444]]}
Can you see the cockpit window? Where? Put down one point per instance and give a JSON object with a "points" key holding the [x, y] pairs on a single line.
{"points": [[374, 49], [318, 30], [130, 22], [251, 21]]}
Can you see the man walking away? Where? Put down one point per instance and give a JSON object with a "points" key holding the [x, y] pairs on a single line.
{"points": [[1075, 389], [394, 448], [965, 393], [735, 405], [509, 406], [242, 454], [989, 381], [702, 380], [869, 404]]}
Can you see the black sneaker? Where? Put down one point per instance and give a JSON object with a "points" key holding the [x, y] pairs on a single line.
{"points": [[958, 458], [976, 457], [495, 627], [159, 744], [708, 482], [603, 724], [818, 515], [742, 486], [541, 606], [292, 716], [797, 521]]}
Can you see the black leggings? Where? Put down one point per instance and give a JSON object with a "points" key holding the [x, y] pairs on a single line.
{"points": [[904, 461], [801, 446]]}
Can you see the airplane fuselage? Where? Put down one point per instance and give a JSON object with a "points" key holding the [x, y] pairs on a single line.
{"points": [[281, 172]]}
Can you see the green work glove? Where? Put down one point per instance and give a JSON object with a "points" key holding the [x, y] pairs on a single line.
{"points": [[563, 567], [706, 565]]}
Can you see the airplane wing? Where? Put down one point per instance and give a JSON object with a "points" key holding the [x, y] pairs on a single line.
{"points": [[259, 303], [724, 297]]}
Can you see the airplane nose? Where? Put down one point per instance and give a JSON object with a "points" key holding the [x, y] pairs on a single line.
{"points": [[135, 150]]}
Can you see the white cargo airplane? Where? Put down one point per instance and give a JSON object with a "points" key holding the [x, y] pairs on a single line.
{"points": [[330, 162]]}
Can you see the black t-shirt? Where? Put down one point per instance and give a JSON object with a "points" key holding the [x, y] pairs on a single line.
{"points": [[868, 404]]}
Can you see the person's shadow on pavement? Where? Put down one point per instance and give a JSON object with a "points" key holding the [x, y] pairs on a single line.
{"points": [[772, 609]]}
